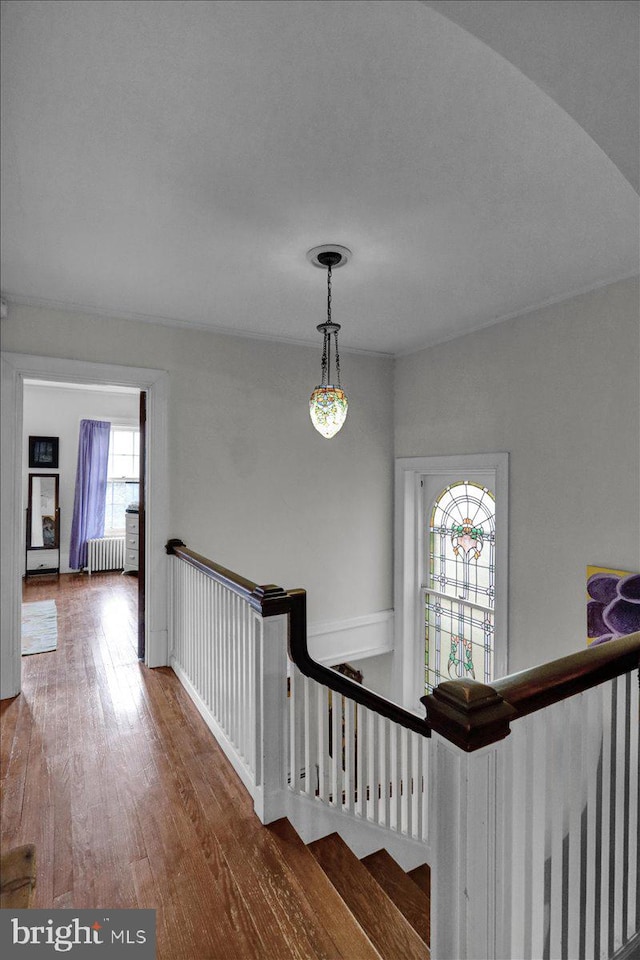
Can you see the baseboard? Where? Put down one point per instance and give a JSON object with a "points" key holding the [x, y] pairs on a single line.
{"points": [[335, 641], [225, 744]]}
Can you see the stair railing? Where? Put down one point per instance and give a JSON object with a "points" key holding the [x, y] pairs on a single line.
{"points": [[227, 646], [532, 826], [295, 731], [535, 816], [355, 752]]}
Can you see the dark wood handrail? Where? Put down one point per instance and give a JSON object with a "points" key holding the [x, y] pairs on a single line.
{"points": [[472, 714], [268, 600], [271, 600], [299, 654]]}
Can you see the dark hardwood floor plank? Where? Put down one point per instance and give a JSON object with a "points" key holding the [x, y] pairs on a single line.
{"points": [[350, 939], [401, 889], [422, 876], [385, 926]]}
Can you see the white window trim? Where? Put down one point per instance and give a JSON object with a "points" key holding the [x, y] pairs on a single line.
{"points": [[408, 682], [129, 426]]}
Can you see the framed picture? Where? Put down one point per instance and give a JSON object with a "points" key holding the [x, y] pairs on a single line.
{"points": [[43, 452]]}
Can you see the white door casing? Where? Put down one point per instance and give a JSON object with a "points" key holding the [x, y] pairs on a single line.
{"points": [[15, 369]]}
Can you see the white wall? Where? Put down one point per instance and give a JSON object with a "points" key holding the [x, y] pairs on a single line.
{"points": [[559, 390], [377, 673], [253, 485], [53, 411]]}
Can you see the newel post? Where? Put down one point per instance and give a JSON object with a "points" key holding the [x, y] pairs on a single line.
{"points": [[271, 702], [468, 722]]}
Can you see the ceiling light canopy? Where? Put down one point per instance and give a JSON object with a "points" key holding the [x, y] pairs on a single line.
{"points": [[328, 404]]}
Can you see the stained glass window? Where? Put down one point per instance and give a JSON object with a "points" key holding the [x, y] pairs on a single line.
{"points": [[459, 595]]}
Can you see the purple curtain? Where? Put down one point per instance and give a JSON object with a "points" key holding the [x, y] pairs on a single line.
{"points": [[91, 489]]}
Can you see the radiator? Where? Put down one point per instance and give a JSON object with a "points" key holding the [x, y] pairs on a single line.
{"points": [[105, 553]]}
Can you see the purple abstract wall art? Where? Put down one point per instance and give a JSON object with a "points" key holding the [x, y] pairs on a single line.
{"points": [[613, 607]]}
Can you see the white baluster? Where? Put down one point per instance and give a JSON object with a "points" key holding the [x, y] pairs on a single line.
{"points": [[592, 758], [632, 813], [555, 790], [375, 778], [426, 788], [576, 800], [336, 749], [396, 812], [606, 885], [409, 765], [385, 772], [296, 728], [322, 720], [537, 832], [620, 822], [307, 710], [416, 742], [362, 762], [349, 747]]}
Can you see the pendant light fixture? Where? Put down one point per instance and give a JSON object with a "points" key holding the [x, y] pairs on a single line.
{"points": [[328, 403]]}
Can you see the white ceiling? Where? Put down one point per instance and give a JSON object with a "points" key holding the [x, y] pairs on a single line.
{"points": [[175, 161]]}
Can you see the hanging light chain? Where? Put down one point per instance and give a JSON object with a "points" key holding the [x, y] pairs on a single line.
{"points": [[329, 329], [325, 370]]}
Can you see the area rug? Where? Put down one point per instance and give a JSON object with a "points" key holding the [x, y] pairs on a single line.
{"points": [[39, 627]]}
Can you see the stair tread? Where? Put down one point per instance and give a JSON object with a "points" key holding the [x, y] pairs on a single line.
{"points": [[344, 929], [422, 876], [392, 935], [412, 902]]}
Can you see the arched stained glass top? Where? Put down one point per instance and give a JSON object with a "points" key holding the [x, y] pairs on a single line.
{"points": [[461, 543]]}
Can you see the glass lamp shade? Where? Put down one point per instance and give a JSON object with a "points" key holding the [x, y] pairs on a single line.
{"points": [[328, 409]]}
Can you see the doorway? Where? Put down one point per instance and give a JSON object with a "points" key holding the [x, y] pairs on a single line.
{"points": [[107, 422], [16, 368]]}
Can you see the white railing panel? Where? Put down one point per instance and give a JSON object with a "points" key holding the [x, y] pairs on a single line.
{"points": [[564, 829], [233, 664], [334, 755], [353, 760]]}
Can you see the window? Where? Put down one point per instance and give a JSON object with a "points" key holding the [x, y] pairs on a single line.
{"points": [[459, 587], [451, 590], [123, 477]]}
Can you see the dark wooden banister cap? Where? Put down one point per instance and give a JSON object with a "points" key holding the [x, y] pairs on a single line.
{"points": [[473, 714], [468, 713], [172, 544]]}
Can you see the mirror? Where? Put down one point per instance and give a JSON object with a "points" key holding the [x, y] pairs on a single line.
{"points": [[43, 528]]}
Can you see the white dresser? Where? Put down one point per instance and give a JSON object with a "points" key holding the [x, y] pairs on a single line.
{"points": [[131, 542]]}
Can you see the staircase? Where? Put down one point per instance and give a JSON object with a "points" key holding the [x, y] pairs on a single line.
{"points": [[368, 908], [545, 762]]}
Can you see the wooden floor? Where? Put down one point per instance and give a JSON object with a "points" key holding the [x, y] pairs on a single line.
{"points": [[108, 768]]}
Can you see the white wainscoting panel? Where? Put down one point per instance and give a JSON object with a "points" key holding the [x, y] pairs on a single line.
{"points": [[334, 641]]}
